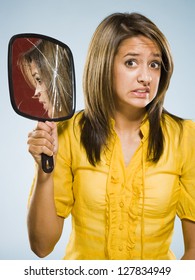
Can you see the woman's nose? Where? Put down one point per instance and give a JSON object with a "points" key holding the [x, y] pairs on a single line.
{"points": [[144, 77], [37, 92]]}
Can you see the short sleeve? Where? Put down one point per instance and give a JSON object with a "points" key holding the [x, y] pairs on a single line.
{"points": [[186, 204], [63, 178]]}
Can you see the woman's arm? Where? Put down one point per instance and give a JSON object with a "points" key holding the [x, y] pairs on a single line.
{"points": [[44, 226], [189, 239]]}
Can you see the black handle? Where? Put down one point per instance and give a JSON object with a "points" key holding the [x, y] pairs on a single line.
{"points": [[47, 163]]}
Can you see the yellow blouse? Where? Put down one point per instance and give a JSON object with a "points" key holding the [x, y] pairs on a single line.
{"points": [[123, 212]]}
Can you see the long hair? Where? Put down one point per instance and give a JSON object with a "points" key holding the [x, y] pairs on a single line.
{"points": [[98, 83], [54, 67]]}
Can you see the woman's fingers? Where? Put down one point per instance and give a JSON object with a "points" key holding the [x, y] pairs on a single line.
{"points": [[40, 146], [43, 139]]}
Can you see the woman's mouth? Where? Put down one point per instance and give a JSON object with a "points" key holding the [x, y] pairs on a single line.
{"points": [[141, 93], [44, 106]]}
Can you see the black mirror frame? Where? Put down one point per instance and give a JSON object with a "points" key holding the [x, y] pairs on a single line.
{"points": [[10, 81]]}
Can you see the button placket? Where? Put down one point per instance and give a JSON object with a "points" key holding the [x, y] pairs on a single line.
{"points": [[121, 204], [121, 226]]}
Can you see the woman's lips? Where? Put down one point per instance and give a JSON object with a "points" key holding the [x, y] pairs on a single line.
{"points": [[44, 104], [141, 93]]}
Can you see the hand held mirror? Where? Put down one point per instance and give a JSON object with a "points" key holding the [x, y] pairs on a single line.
{"points": [[41, 80]]}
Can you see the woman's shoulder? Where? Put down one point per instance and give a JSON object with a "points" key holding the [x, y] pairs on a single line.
{"points": [[181, 127], [173, 121], [189, 124], [189, 129], [70, 124]]}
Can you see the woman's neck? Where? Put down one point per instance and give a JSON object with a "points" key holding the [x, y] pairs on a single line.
{"points": [[128, 130], [129, 123]]}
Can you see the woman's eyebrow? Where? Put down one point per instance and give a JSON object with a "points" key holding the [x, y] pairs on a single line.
{"points": [[137, 54], [35, 73], [131, 54]]}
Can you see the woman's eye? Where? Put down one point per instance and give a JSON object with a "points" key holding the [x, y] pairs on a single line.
{"points": [[38, 80], [155, 65], [130, 63]]}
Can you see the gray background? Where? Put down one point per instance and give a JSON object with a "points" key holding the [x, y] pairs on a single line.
{"points": [[74, 22]]}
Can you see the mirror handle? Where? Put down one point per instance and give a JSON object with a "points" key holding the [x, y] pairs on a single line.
{"points": [[47, 163]]}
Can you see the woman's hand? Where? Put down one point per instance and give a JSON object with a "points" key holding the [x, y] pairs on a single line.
{"points": [[188, 228], [43, 139]]}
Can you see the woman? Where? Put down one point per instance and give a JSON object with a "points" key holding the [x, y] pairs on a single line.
{"points": [[124, 166], [46, 68]]}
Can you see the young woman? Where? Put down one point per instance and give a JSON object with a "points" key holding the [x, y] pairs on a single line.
{"points": [[124, 167]]}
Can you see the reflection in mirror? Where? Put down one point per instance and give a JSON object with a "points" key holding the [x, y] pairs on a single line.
{"points": [[41, 77]]}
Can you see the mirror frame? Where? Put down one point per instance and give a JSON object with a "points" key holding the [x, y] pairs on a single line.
{"points": [[10, 75]]}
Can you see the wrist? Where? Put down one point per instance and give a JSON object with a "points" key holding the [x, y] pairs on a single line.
{"points": [[43, 177]]}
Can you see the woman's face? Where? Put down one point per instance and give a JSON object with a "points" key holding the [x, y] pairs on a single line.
{"points": [[136, 73], [40, 89]]}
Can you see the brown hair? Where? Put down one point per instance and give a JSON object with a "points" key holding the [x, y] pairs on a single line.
{"points": [[98, 82], [54, 67]]}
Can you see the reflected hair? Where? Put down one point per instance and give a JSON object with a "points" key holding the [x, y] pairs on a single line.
{"points": [[98, 83], [54, 67]]}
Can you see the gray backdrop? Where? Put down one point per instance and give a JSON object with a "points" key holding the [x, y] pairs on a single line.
{"points": [[74, 22]]}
